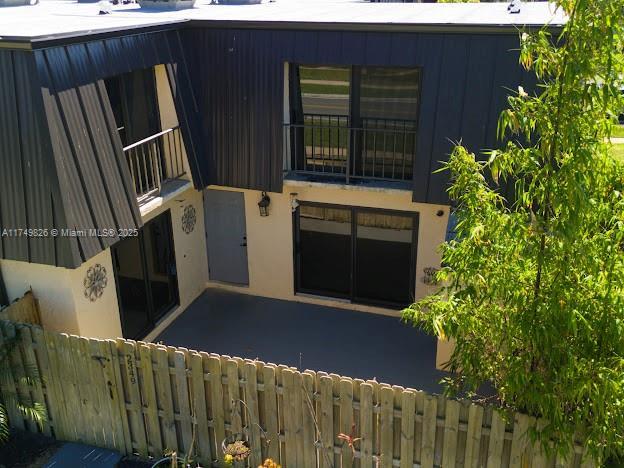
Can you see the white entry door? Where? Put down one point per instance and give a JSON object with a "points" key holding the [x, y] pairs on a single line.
{"points": [[226, 236]]}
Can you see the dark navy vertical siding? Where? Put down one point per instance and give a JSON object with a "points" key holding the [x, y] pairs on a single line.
{"points": [[29, 189], [238, 75], [238, 78], [61, 160], [62, 164]]}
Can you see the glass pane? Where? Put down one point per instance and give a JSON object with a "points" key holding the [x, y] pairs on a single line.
{"points": [[383, 258], [114, 90], [325, 90], [325, 250], [325, 95], [389, 93], [133, 99], [161, 269], [389, 105], [132, 292]]}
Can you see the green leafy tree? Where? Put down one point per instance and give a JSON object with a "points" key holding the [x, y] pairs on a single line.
{"points": [[10, 373], [533, 285]]}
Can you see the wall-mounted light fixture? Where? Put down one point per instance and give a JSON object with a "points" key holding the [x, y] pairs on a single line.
{"points": [[263, 204]]}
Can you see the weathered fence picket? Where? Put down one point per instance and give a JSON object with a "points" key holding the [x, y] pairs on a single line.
{"points": [[146, 399]]}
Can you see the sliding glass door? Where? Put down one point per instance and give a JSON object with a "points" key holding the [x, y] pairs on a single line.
{"points": [[132, 291], [383, 257], [145, 272], [364, 255], [325, 250]]}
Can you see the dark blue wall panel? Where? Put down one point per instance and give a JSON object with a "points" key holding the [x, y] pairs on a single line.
{"points": [[30, 196], [61, 159], [448, 112], [238, 75], [61, 162]]}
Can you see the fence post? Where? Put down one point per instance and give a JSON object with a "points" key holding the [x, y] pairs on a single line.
{"points": [[497, 438], [164, 396], [346, 418], [367, 418], [309, 429], [430, 421], [125, 356], [327, 421], [112, 369], [216, 393], [270, 409], [253, 415], [386, 426], [520, 441], [150, 400], [234, 406], [62, 421], [408, 423], [451, 429], [290, 420], [200, 422], [182, 396], [473, 436]]}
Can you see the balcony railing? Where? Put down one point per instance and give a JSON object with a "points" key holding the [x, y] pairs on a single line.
{"points": [[154, 160], [327, 145]]}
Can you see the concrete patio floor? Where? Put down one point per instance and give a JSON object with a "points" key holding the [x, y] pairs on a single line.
{"points": [[307, 336]]}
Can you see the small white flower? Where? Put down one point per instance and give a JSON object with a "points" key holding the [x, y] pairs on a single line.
{"points": [[522, 92], [524, 37]]}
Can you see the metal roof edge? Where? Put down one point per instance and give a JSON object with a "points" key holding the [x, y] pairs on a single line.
{"points": [[42, 42], [367, 27]]}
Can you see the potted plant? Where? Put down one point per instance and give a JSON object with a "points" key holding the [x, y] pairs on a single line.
{"points": [[235, 450]]}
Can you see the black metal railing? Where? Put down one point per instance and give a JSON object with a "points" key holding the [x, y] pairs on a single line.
{"points": [[328, 145], [154, 160]]}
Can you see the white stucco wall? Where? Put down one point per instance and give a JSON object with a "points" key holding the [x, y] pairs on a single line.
{"points": [[50, 286], [168, 115], [98, 318], [60, 292], [270, 239]]}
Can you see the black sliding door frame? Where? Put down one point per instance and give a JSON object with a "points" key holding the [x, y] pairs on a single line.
{"points": [[151, 312], [354, 210], [415, 217], [172, 280], [148, 306]]}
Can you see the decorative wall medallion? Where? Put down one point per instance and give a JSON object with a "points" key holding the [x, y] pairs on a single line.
{"points": [[94, 282], [430, 276], [189, 218]]}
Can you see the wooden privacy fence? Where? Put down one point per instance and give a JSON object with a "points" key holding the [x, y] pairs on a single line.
{"points": [[24, 310], [146, 398]]}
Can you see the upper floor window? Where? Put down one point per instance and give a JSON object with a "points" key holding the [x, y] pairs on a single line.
{"points": [[353, 122], [153, 155], [135, 104]]}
